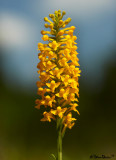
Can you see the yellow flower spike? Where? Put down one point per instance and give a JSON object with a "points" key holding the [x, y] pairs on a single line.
{"points": [[59, 73]]}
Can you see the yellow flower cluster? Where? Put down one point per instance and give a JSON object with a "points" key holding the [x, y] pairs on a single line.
{"points": [[58, 71]]}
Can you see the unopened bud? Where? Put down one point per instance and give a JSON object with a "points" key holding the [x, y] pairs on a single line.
{"points": [[46, 25], [56, 12], [45, 19], [45, 38], [60, 33], [72, 28], [43, 32], [51, 15], [63, 13], [69, 19], [51, 26], [61, 22], [59, 14]]}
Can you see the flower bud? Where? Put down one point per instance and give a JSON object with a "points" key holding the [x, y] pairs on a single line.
{"points": [[72, 28], [45, 38], [43, 32], [45, 19], [51, 15], [51, 26], [60, 22], [56, 12], [61, 32], [46, 25], [63, 13]]}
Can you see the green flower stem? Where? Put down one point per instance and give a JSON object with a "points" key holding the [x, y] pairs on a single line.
{"points": [[59, 143]]}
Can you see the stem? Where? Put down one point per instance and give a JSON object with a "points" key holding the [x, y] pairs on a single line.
{"points": [[59, 122], [59, 143]]}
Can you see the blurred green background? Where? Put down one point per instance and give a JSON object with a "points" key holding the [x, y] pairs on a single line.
{"points": [[22, 135]]}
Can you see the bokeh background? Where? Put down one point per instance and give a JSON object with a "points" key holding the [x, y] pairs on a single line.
{"points": [[22, 135]]}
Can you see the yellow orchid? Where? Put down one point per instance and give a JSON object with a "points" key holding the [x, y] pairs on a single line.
{"points": [[57, 72], [73, 107], [63, 93], [49, 100], [59, 111], [53, 85], [44, 76], [73, 83], [65, 79], [63, 62], [54, 45], [69, 121], [40, 103], [47, 117], [51, 55], [48, 65]]}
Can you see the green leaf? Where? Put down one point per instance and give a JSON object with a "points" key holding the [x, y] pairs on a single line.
{"points": [[53, 156]]}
